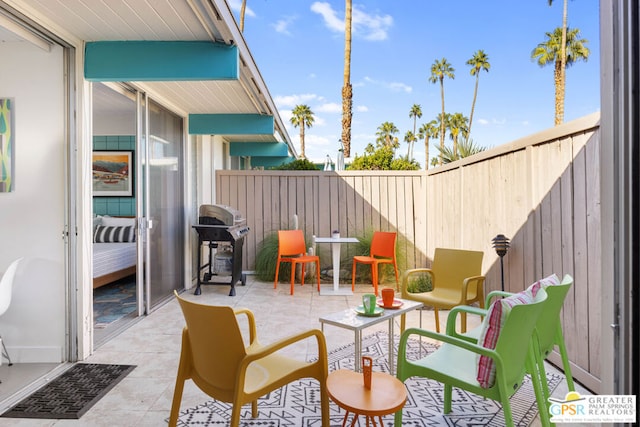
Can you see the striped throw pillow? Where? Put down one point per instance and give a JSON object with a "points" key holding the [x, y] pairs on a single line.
{"points": [[492, 324], [491, 327], [107, 234]]}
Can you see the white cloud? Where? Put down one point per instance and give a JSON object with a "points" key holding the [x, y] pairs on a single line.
{"points": [[362, 108], [374, 27], [330, 107], [368, 26], [282, 25], [293, 100], [331, 20], [393, 86], [237, 5], [483, 121]]}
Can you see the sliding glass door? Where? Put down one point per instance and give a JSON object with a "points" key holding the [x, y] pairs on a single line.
{"points": [[161, 166]]}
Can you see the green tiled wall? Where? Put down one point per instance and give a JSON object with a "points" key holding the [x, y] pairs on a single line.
{"points": [[114, 206]]}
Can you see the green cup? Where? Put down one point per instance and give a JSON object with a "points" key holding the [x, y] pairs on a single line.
{"points": [[369, 303]]}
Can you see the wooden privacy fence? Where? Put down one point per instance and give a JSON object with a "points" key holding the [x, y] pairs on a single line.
{"points": [[541, 191], [353, 202]]}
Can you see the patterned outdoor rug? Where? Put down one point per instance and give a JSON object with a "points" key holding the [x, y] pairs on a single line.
{"points": [[298, 404], [71, 394]]}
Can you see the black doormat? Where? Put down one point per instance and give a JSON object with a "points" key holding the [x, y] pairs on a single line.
{"points": [[71, 394]]}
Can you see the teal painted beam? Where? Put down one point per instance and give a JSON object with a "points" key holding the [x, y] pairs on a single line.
{"points": [[259, 149], [113, 61], [230, 124]]}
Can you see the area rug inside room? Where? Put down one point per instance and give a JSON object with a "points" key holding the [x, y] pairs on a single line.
{"points": [[114, 301], [71, 394], [298, 403]]}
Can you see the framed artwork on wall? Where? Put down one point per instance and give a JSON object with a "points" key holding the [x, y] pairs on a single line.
{"points": [[7, 149], [112, 173]]}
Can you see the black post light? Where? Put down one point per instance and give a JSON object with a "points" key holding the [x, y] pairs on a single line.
{"points": [[501, 245]]}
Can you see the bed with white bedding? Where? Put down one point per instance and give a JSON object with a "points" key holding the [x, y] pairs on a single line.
{"points": [[114, 249], [113, 261]]}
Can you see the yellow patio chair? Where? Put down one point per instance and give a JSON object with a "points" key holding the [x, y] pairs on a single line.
{"points": [[491, 371], [215, 357], [455, 279]]}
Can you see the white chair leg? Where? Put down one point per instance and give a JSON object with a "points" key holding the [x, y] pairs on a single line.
{"points": [[5, 353]]}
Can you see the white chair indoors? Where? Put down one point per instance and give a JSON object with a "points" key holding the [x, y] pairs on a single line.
{"points": [[6, 285]]}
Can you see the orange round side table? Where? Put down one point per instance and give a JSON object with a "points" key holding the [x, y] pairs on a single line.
{"points": [[386, 395]]}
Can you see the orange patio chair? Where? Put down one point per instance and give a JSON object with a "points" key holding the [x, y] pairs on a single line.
{"points": [[382, 251], [291, 248]]}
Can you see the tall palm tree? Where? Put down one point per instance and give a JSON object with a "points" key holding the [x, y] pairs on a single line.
{"points": [[549, 52], [439, 70], [409, 138], [442, 121], [243, 8], [563, 53], [426, 131], [416, 113], [479, 62], [457, 123], [302, 116], [385, 134], [347, 89]]}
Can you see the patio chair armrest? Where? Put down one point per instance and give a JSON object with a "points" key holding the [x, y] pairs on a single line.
{"points": [[452, 318], [405, 279], [479, 280], [495, 294], [285, 342], [250, 320], [466, 345]]}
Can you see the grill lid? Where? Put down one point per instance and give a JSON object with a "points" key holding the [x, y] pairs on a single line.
{"points": [[226, 214]]}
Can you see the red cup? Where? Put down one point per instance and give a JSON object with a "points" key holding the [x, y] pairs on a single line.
{"points": [[387, 297], [367, 368]]}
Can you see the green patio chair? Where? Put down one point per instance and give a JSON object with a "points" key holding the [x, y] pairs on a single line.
{"points": [[455, 362], [548, 328]]}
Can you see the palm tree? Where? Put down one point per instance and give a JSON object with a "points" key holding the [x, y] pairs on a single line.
{"points": [[466, 148], [457, 123], [479, 62], [416, 113], [426, 131], [442, 121], [242, 10], [550, 52], [302, 116], [385, 134], [409, 138], [347, 90], [439, 70], [563, 53]]}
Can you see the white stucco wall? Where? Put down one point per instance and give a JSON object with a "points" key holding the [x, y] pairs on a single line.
{"points": [[32, 216]]}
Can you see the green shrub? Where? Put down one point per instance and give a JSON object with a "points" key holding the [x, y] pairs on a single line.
{"points": [[419, 283], [296, 165], [266, 258]]}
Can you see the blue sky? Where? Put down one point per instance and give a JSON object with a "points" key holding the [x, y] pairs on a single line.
{"points": [[298, 46]]}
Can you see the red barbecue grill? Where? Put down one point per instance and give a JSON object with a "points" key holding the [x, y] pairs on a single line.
{"points": [[221, 228]]}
